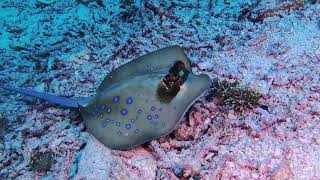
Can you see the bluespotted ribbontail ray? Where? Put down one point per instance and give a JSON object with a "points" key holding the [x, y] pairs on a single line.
{"points": [[140, 101]]}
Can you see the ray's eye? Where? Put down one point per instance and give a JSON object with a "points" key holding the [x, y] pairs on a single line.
{"points": [[179, 70], [169, 85]]}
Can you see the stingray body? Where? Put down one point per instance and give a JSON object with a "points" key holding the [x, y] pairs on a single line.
{"points": [[139, 101]]}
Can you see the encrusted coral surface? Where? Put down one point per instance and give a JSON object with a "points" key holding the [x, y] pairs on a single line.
{"points": [[68, 47]]}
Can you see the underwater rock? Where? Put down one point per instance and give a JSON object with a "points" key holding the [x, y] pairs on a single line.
{"points": [[45, 2], [85, 1], [41, 161], [3, 126]]}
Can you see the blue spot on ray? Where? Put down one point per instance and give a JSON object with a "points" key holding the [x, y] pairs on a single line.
{"points": [[118, 124], [104, 123], [153, 108], [139, 111], [95, 112], [128, 126], [103, 106], [149, 117], [156, 116], [116, 99], [129, 100], [133, 120], [124, 112], [109, 110]]}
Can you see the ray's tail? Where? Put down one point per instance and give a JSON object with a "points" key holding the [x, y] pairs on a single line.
{"points": [[63, 101]]}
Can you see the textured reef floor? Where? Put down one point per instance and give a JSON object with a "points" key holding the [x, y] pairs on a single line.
{"points": [[68, 47]]}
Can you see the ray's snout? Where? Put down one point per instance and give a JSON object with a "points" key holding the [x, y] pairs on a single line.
{"points": [[200, 83]]}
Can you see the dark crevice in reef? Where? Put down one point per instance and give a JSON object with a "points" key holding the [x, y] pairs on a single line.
{"points": [[41, 161]]}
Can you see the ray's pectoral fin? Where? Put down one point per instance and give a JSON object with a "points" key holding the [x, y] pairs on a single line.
{"points": [[63, 101], [160, 59]]}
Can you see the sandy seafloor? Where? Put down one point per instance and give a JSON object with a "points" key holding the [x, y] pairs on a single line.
{"points": [[68, 47]]}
